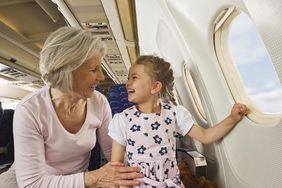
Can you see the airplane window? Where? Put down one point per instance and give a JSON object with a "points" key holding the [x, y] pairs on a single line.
{"points": [[254, 64], [247, 66], [196, 99]]}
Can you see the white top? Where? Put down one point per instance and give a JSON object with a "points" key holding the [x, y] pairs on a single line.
{"points": [[44, 150], [118, 126]]}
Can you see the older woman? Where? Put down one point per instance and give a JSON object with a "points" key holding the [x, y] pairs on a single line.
{"points": [[56, 127]]}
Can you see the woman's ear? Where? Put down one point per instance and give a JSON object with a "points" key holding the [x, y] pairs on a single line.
{"points": [[156, 88]]}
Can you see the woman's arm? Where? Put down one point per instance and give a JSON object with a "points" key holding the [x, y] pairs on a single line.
{"points": [[213, 134]]}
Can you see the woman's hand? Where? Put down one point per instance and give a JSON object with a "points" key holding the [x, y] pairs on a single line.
{"points": [[112, 174]]}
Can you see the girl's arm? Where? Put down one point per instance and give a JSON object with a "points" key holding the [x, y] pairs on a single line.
{"points": [[118, 152], [213, 134]]}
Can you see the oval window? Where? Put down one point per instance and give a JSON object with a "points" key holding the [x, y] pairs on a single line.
{"points": [[247, 66], [254, 64]]}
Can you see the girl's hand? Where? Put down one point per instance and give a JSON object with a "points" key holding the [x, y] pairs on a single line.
{"points": [[238, 111], [113, 174]]}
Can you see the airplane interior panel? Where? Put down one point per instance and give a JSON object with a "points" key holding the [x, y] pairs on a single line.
{"points": [[195, 37]]}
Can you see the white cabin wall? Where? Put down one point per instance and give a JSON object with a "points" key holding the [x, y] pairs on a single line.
{"points": [[250, 152], [267, 16], [244, 149]]}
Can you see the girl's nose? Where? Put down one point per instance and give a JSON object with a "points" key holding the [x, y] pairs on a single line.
{"points": [[127, 83]]}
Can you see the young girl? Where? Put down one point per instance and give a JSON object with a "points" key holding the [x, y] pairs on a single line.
{"points": [[145, 132]]}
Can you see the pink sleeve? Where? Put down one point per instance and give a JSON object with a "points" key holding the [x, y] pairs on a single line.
{"points": [[103, 137], [30, 155]]}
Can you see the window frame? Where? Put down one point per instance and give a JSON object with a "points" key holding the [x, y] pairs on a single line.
{"points": [[231, 72], [191, 88]]}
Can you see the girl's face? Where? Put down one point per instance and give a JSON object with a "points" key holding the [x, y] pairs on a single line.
{"points": [[139, 84], [87, 76]]}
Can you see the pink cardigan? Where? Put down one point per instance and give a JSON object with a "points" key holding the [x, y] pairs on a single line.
{"points": [[46, 155]]}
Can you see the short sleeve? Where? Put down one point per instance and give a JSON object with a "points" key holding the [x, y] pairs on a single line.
{"points": [[117, 129], [184, 120]]}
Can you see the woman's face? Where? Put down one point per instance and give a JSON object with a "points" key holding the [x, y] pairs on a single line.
{"points": [[87, 76]]}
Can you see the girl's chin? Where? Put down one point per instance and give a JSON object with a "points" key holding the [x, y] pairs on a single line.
{"points": [[129, 99], [132, 100]]}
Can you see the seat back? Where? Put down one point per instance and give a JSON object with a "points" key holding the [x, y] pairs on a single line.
{"points": [[118, 98], [6, 136]]}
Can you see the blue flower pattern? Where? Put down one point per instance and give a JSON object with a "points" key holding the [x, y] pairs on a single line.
{"points": [[130, 142], [139, 149], [157, 139], [135, 128], [168, 121], [155, 125]]}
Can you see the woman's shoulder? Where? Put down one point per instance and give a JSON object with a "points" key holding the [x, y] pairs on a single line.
{"points": [[38, 96]]}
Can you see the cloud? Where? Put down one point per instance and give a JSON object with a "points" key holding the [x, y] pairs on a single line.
{"points": [[269, 101], [267, 86], [245, 42]]}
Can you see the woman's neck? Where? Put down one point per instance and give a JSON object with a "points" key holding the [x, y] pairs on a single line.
{"points": [[66, 101]]}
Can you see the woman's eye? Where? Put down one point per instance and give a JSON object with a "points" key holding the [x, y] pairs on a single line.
{"points": [[94, 70]]}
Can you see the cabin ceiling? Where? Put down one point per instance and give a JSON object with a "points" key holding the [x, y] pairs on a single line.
{"points": [[25, 25]]}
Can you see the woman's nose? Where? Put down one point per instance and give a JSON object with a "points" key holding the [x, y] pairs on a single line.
{"points": [[101, 76]]}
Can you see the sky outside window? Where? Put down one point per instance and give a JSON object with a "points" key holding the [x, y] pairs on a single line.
{"points": [[254, 64]]}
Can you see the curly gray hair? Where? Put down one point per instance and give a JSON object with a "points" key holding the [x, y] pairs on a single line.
{"points": [[63, 52]]}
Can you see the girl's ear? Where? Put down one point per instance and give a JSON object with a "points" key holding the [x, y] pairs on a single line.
{"points": [[156, 88]]}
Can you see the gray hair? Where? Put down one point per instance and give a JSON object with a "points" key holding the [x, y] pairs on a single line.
{"points": [[63, 52]]}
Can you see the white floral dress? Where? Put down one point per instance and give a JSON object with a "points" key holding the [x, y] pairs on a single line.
{"points": [[150, 143]]}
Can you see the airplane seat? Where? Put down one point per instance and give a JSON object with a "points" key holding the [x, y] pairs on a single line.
{"points": [[128, 105], [113, 93], [113, 98], [116, 110], [115, 103], [124, 100], [123, 94], [1, 110], [118, 98], [98, 88], [6, 136], [95, 157]]}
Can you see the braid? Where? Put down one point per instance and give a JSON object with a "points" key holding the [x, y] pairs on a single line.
{"points": [[160, 70]]}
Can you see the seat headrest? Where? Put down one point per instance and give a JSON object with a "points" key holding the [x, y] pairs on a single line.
{"points": [[1, 111]]}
